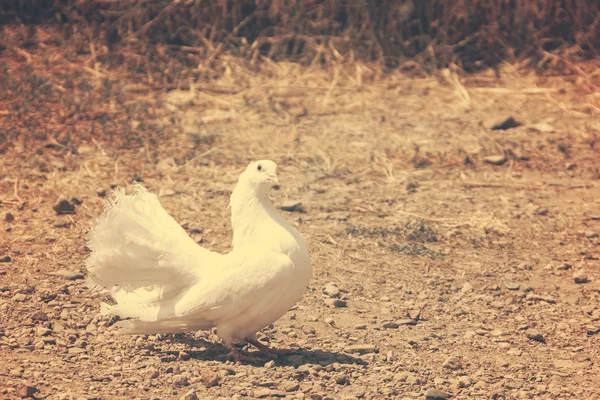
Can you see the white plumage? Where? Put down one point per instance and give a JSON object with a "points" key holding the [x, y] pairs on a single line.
{"points": [[165, 282]]}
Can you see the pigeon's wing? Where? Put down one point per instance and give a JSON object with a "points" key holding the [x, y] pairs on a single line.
{"points": [[247, 280], [235, 296]]}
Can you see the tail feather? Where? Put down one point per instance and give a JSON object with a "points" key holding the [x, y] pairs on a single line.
{"points": [[142, 257]]}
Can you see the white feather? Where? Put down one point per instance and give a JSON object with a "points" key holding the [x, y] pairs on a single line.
{"points": [[166, 283]]}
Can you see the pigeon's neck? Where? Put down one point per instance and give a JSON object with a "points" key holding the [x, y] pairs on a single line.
{"points": [[250, 206]]}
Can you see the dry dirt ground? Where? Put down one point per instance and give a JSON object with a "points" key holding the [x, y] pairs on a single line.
{"points": [[447, 255]]}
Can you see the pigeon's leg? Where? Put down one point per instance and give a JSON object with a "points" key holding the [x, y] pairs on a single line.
{"points": [[236, 354], [268, 351]]}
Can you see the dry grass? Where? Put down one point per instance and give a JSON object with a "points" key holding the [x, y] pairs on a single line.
{"points": [[173, 42]]}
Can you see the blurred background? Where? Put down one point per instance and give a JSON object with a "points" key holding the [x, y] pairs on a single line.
{"points": [[441, 158]]}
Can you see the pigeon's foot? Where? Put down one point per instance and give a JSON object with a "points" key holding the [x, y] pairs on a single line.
{"points": [[269, 351], [236, 355]]}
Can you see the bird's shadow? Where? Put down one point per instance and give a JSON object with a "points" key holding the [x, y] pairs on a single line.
{"points": [[205, 350]]}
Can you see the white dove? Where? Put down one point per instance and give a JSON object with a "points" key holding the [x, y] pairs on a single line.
{"points": [[165, 282]]}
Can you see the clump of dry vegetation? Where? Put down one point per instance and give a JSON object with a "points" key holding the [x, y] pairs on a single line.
{"points": [[173, 41]]}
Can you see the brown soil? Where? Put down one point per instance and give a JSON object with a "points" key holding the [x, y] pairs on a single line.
{"points": [[457, 274]]}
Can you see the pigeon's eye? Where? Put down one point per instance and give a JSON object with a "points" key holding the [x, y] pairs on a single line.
{"points": [[259, 167]]}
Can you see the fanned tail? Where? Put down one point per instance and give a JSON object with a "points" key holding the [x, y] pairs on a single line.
{"points": [[142, 257]]}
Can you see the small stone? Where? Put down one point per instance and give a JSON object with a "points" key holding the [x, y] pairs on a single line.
{"points": [[5, 259], [41, 331], [464, 382], [513, 384], [590, 234], [101, 192], [153, 373], [386, 299], [75, 350], [210, 379], [466, 288], [27, 391], [406, 321], [435, 394], [452, 363], [505, 124], [180, 380], [291, 386], [68, 275], [414, 314], [390, 325], [64, 207], [592, 329], [542, 127], [512, 285], [331, 290], [191, 395], [580, 277], [20, 297], [360, 326], [270, 364], [360, 348], [534, 334], [495, 159], [341, 378], [9, 217], [336, 303], [292, 206], [514, 352]]}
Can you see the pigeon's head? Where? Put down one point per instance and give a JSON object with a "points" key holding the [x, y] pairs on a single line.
{"points": [[263, 172]]}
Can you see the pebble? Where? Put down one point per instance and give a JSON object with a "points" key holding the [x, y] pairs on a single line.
{"points": [[495, 159], [514, 352], [270, 364], [580, 277], [41, 331], [75, 350], [436, 394], [27, 390], [534, 334], [590, 234], [20, 297], [9, 217], [180, 380], [5, 259], [63, 206], [513, 384], [39, 316], [336, 303], [191, 395], [331, 290], [291, 386], [211, 378], [360, 349], [452, 363], [512, 285], [466, 288], [360, 326], [505, 124], [414, 314], [542, 127]]}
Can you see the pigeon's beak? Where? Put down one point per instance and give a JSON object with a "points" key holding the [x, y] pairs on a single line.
{"points": [[272, 178]]}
